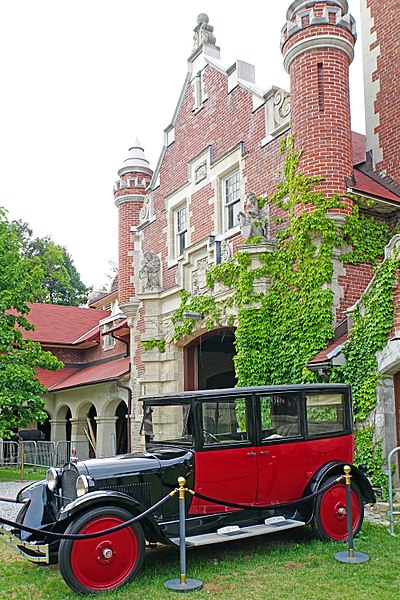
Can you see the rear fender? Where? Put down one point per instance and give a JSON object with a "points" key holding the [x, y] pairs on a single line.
{"points": [[335, 469], [109, 498]]}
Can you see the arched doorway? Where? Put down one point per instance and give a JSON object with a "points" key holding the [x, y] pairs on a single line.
{"points": [[92, 430], [68, 426], [121, 428], [209, 361]]}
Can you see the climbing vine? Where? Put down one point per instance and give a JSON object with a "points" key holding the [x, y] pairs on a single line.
{"points": [[281, 328]]}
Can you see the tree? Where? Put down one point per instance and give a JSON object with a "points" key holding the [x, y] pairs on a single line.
{"points": [[61, 282], [21, 392]]}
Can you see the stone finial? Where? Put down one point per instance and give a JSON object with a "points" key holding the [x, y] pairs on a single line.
{"points": [[203, 32]]}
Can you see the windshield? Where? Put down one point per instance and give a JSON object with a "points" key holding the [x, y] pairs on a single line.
{"points": [[168, 424]]}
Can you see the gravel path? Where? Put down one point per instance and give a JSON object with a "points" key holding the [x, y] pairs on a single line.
{"points": [[9, 489]]}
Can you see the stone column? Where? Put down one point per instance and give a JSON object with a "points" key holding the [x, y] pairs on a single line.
{"points": [[58, 430], [105, 443]]}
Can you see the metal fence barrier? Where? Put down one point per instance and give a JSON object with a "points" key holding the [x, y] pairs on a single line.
{"points": [[41, 453], [9, 453], [391, 508]]}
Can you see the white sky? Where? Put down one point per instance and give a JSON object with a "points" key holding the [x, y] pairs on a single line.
{"points": [[81, 79]]}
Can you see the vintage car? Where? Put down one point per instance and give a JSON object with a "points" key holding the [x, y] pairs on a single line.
{"points": [[260, 449]]}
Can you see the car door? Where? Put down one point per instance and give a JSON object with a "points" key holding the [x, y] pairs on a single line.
{"points": [[226, 464], [282, 466]]}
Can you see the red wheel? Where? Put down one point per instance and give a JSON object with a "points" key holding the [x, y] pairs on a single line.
{"points": [[330, 515], [106, 562]]}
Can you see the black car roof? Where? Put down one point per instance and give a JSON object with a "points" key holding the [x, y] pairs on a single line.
{"points": [[238, 391]]}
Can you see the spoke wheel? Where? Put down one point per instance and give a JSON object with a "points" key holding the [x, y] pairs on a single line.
{"points": [[106, 562], [330, 516]]}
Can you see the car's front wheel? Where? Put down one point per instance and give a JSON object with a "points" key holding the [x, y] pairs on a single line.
{"points": [[106, 562], [330, 515]]}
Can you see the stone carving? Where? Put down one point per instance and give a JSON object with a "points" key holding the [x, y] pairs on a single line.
{"points": [[393, 247], [150, 272], [253, 221], [200, 172], [144, 213], [281, 108], [226, 251], [199, 277], [203, 32]]}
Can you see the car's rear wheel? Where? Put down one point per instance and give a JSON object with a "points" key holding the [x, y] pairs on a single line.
{"points": [[330, 515], [106, 562]]}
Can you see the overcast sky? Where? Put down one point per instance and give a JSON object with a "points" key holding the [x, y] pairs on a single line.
{"points": [[81, 79]]}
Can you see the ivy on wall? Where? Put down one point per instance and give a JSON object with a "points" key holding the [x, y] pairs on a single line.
{"points": [[278, 332]]}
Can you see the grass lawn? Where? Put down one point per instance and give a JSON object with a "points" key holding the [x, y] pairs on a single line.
{"points": [[289, 566], [13, 474]]}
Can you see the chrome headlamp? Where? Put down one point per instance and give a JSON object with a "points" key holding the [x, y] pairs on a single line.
{"points": [[52, 479], [82, 485]]}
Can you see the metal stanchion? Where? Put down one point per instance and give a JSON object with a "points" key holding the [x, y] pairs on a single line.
{"points": [[350, 556], [183, 584], [22, 462]]}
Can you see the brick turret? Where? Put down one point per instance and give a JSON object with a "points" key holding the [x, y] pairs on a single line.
{"points": [[318, 47], [129, 194]]}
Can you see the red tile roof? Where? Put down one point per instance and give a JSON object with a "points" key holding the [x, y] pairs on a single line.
{"points": [[370, 187], [75, 377], [55, 324], [358, 142], [329, 352]]}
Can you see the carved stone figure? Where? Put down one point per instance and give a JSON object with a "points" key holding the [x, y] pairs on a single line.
{"points": [[150, 272], [253, 221], [199, 277], [144, 213], [226, 251]]}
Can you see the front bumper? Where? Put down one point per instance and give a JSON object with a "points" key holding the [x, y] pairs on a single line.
{"points": [[37, 553]]}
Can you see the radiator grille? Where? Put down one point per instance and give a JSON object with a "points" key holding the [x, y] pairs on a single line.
{"points": [[68, 483]]}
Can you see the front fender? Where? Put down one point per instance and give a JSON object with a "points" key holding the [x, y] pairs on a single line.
{"points": [[40, 507], [110, 498]]}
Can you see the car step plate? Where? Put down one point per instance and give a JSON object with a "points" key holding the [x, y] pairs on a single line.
{"points": [[244, 532]]}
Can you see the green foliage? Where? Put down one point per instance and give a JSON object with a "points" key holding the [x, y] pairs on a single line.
{"points": [[369, 454], [20, 390], [60, 281], [154, 343], [367, 236]]}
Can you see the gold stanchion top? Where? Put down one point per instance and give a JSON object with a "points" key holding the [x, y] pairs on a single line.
{"points": [[181, 481], [347, 469]]}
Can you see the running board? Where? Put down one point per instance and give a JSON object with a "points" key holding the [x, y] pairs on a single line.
{"points": [[244, 532]]}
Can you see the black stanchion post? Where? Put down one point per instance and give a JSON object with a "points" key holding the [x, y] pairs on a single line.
{"points": [[350, 556], [183, 584]]}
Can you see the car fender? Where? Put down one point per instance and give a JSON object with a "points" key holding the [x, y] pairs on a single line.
{"points": [[100, 498]]}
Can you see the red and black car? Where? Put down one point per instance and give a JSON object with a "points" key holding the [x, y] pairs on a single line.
{"points": [[261, 448]]}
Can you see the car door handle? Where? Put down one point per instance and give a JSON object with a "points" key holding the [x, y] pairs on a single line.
{"points": [[251, 454], [265, 452]]}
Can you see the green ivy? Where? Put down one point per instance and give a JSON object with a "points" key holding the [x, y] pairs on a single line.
{"points": [[154, 343], [368, 238]]}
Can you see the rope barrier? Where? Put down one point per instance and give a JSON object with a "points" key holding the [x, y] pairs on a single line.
{"points": [[89, 536], [152, 509], [270, 506]]}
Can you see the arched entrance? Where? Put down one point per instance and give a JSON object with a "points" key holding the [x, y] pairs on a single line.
{"points": [[45, 428], [121, 428], [209, 361]]}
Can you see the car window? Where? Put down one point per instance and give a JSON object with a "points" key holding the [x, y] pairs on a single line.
{"points": [[325, 413], [279, 417], [224, 421], [168, 424]]}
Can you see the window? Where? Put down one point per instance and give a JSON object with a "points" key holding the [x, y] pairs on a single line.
{"points": [[231, 194], [168, 424], [180, 230], [279, 417], [224, 421], [325, 414], [108, 340]]}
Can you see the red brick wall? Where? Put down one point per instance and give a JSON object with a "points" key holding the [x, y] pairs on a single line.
{"points": [[386, 15], [319, 85]]}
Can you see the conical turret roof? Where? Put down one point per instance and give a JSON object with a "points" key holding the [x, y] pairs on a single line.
{"points": [[136, 161]]}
